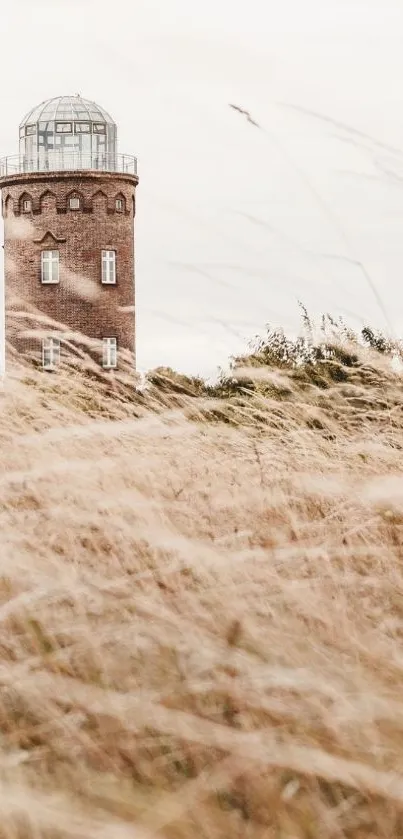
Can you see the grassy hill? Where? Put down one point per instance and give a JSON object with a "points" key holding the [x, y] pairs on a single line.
{"points": [[201, 598]]}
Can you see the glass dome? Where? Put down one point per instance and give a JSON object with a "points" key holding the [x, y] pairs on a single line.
{"points": [[63, 108], [68, 132]]}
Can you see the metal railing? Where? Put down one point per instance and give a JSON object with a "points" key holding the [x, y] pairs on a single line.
{"points": [[68, 161]]}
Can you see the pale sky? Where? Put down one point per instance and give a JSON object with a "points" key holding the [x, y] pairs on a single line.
{"points": [[235, 224]]}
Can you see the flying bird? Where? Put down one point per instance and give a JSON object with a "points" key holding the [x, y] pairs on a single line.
{"points": [[246, 114]]}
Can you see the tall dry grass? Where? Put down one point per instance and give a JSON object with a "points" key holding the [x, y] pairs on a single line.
{"points": [[201, 613]]}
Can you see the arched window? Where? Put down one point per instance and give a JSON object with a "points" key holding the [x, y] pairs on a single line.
{"points": [[25, 203]]}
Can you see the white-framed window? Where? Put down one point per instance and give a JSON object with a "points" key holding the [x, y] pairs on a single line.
{"points": [[64, 128], [119, 204], [74, 203], [50, 353], [109, 352], [82, 127], [99, 128], [50, 266], [109, 267], [26, 205]]}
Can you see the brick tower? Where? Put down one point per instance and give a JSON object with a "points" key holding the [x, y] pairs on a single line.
{"points": [[68, 203]]}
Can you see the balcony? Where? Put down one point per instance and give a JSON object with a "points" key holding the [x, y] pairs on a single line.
{"points": [[67, 161]]}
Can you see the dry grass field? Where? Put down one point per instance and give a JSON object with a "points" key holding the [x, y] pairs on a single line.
{"points": [[201, 607]]}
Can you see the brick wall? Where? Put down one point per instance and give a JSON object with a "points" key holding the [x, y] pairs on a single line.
{"points": [[79, 302]]}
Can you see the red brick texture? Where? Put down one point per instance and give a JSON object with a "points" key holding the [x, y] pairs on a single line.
{"points": [[80, 303]]}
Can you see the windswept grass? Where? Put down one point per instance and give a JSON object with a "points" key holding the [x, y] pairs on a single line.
{"points": [[201, 602]]}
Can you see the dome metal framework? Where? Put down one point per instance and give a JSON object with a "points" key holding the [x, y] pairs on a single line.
{"points": [[67, 108], [68, 133]]}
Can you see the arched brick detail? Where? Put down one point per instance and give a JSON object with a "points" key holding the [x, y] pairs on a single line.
{"points": [[119, 197], [47, 202], [8, 206], [75, 193], [99, 202], [26, 196]]}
